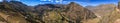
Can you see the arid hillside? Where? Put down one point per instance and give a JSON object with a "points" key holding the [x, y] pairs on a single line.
{"points": [[103, 9], [107, 13], [17, 12]]}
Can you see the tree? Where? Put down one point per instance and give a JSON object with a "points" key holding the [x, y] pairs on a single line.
{"points": [[119, 5]]}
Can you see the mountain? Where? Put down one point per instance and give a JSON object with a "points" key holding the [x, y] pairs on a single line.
{"points": [[112, 17], [17, 12], [103, 9], [109, 13], [10, 12], [77, 13], [71, 13]]}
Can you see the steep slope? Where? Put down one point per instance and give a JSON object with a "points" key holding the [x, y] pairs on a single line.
{"points": [[77, 13], [10, 13], [64, 13], [113, 17]]}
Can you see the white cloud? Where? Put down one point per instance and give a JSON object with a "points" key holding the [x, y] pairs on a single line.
{"points": [[43, 0], [49, 0], [0, 0]]}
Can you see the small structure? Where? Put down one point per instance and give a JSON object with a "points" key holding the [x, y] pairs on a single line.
{"points": [[119, 5]]}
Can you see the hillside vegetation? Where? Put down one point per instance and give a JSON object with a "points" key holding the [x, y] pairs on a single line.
{"points": [[17, 12]]}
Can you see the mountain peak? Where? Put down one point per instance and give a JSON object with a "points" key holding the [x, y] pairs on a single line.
{"points": [[73, 4]]}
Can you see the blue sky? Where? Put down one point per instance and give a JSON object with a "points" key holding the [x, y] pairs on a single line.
{"points": [[81, 2]]}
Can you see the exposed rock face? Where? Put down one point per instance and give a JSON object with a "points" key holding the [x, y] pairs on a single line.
{"points": [[17, 12]]}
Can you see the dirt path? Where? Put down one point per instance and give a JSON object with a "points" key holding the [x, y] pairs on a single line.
{"points": [[4, 15], [117, 21]]}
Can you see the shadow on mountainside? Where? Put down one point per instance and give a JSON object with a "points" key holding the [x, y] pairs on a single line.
{"points": [[17, 12]]}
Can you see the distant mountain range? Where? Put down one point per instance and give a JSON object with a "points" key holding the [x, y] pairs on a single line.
{"points": [[108, 13], [17, 12], [102, 9]]}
